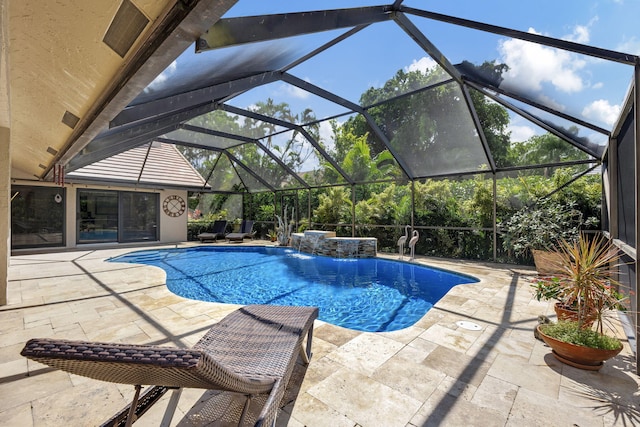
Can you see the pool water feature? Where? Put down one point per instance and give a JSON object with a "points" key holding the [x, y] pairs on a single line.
{"points": [[321, 242], [365, 294]]}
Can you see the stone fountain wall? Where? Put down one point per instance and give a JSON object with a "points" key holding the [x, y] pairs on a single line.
{"points": [[326, 243]]}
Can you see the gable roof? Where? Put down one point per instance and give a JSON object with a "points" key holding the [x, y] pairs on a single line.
{"points": [[153, 164]]}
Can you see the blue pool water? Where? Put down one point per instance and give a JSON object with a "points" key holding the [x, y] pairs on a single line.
{"points": [[367, 294]]}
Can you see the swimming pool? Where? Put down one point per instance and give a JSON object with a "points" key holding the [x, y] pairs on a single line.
{"points": [[367, 294]]}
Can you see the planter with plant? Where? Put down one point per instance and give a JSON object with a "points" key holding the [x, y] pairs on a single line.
{"points": [[550, 288], [273, 235], [535, 232], [588, 286], [582, 348]]}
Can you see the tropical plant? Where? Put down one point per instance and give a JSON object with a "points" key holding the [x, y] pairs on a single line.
{"points": [[589, 285], [542, 227], [265, 213], [334, 205], [547, 288], [546, 149], [285, 227]]}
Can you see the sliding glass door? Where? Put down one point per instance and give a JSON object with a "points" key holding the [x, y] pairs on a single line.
{"points": [[117, 216], [138, 217], [37, 216], [98, 216]]}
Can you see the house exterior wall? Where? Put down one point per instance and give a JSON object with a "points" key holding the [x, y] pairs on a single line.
{"points": [[172, 223], [173, 228], [5, 211]]}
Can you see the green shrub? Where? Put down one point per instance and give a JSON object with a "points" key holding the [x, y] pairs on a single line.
{"points": [[541, 227], [570, 332]]}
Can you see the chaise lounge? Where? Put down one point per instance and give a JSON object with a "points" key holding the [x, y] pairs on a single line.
{"points": [[218, 229], [249, 354], [246, 230]]}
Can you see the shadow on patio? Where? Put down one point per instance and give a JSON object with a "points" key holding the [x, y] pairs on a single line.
{"points": [[433, 373]]}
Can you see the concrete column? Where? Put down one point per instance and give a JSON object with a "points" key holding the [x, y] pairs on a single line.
{"points": [[5, 213]]}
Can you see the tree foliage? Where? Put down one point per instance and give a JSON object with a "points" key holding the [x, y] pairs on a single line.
{"points": [[431, 131], [543, 150], [334, 205]]}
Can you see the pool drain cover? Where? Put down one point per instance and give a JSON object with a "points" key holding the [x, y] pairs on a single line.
{"points": [[468, 325]]}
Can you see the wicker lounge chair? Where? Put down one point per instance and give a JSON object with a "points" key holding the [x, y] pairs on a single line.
{"points": [[217, 232], [246, 230], [250, 354]]}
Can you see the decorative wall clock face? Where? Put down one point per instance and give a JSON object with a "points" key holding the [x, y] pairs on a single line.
{"points": [[174, 206]]}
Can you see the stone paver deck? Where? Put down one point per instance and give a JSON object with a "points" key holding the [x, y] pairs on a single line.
{"points": [[434, 373]]}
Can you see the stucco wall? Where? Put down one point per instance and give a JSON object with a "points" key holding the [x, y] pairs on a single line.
{"points": [[173, 228], [5, 225]]}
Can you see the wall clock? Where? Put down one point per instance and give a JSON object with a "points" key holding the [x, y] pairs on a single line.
{"points": [[174, 206]]}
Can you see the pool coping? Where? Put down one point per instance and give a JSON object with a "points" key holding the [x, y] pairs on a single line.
{"points": [[434, 372]]}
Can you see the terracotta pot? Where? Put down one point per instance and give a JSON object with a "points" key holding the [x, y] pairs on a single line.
{"points": [[565, 313], [578, 356]]}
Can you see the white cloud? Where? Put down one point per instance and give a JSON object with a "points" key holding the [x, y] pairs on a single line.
{"points": [[631, 45], [598, 85], [326, 135], [602, 111], [549, 102], [163, 76], [521, 133], [295, 91], [580, 34], [531, 65], [423, 64]]}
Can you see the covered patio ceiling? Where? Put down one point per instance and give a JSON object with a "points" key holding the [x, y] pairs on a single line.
{"points": [[426, 117], [68, 67]]}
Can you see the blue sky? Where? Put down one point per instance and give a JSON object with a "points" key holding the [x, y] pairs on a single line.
{"points": [[588, 88]]}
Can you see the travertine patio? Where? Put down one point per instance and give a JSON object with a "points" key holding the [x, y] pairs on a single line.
{"points": [[434, 373]]}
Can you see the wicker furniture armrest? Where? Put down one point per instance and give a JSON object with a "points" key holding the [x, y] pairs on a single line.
{"points": [[141, 365]]}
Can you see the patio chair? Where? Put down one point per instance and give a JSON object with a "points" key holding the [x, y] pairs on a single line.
{"points": [[248, 356], [246, 230], [218, 231]]}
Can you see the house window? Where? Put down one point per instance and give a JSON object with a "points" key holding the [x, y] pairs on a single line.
{"points": [[37, 216], [117, 216]]}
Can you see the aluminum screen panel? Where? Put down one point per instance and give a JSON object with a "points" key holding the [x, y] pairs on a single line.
{"points": [[201, 139], [433, 132]]}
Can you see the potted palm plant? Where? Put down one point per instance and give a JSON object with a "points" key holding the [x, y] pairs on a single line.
{"points": [[588, 285], [552, 288]]}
